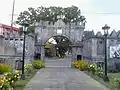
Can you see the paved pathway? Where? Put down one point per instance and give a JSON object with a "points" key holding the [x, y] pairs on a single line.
{"points": [[59, 76]]}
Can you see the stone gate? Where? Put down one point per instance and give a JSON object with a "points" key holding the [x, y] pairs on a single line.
{"points": [[73, 31]]}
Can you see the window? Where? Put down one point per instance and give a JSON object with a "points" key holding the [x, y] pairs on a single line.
{"points": [[59, 31]]}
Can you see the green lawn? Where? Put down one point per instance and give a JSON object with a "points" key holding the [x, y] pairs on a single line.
{"points": [[107, 84], [97, 79], [22, 83], [114, 75]]}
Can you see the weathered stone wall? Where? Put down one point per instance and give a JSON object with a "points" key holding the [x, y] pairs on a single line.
{"points": [[12, 49], [96, 43], [7, 50], [72, 31], [1, 46], [30, 48]]}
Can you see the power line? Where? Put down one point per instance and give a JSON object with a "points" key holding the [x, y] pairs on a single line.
{"points": [[107, 13]]}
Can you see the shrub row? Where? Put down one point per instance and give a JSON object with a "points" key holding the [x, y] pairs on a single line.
{"points": [[114, 83], [84, 66]]}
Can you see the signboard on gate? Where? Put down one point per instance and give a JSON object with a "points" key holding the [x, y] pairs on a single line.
{"points": [[115, 51]]}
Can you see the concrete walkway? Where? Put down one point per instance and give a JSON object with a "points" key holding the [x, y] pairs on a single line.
{"points": [[62, 77]]}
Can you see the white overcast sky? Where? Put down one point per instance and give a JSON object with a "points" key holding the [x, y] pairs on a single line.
{"points": [[93, 10]]}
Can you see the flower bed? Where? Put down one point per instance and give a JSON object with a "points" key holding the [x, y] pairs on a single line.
{"points": [[8, 80], [30, 71], [97, 73], [80, 64]]}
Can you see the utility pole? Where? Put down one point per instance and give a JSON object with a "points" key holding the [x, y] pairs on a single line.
{"points": [[12, 13]]}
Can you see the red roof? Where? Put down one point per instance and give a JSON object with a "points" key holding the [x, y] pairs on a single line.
{"points": [[9, 27]]}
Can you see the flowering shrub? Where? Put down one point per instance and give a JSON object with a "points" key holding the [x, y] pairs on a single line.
{"points": [[12, 77], [95, 70], [99, 72], [4, 84], [28, 68], [37, 64], [8, 81], [92, 68], [80, 64]]}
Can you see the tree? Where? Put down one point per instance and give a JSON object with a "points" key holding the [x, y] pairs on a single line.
{"points": [[32, 15], [72, 14], [63, 45], [29, 17]]}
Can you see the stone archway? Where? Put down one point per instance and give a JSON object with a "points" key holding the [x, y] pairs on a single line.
{"points": [[58, 46], [72, 31]]}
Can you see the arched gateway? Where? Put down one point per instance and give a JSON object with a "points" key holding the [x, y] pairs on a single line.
{"points": [[73, 31]]}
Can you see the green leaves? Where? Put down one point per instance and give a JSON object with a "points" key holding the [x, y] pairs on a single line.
{"points": [[32, 15], [38, 64], [71, 14], [5, 68], [63, 44]]}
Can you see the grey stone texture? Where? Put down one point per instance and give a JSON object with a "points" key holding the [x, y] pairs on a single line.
{"points": [[11, 49], [93, 44], [93, 48], [72, 31], [84, 43], [58, 75]]}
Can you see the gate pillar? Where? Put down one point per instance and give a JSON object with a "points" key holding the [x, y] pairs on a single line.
{"points": [[77, 52], [42, 51]]}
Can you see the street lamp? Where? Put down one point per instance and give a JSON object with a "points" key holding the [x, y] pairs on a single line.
{"points": [[105, 28], [25, 25]]}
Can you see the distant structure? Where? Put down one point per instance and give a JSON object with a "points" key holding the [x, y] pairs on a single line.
{"points": [[11, 45], [7, 47], [85, 44], [72, 31], [93, 48], [8, 31]]}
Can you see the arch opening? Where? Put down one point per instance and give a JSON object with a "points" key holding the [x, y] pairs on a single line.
{"points": [[58, 46]]}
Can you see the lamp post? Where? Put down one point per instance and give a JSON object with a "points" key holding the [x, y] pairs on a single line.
{"points": [[105, 28], [25, 25]]}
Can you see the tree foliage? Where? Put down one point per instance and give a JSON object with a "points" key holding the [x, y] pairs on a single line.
{"points": [[63, 45], [32, 15]]}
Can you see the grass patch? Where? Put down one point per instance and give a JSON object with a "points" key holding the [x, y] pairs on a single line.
{"points": [[107, 84], [22, 83], [114, 75], [98, 79]]}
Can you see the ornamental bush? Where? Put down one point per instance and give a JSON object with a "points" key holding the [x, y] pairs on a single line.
{"points": [[94, 69], [4, 84], [80, 64], [38, 64], [28, 69], [8, 80], [5, 68], [12, 77]]}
